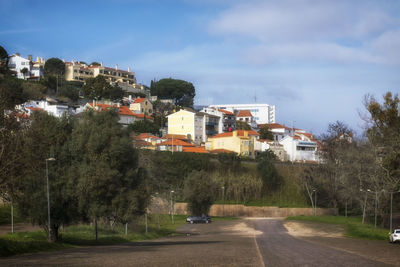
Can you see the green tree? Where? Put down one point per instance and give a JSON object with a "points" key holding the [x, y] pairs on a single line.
{"points": [[265, 133], [24, 71], [106, 166], [144, 126], [270, 176], [199, 192], [3, 60], [94, 63], [182, 92], [70, 91], [241, 125], [54, 67], [33, 90], [99, 87], [46, 137]]}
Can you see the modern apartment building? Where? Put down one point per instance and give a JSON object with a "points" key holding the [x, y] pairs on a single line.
{"points": [[227, 119], [262, 113]]}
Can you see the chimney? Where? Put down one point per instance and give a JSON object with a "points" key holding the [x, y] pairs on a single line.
{"points": [[37, 60], [116, 66], [30, 57], [101, 63], [129, 69]]}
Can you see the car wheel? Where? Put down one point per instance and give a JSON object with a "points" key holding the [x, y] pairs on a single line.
{"points": [[191, 222], [207, 221]]}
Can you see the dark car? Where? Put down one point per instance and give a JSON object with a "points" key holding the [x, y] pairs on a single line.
{"points": [[198, 219]]}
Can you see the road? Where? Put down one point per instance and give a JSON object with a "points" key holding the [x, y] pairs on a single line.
{"points": [[262, 242]]}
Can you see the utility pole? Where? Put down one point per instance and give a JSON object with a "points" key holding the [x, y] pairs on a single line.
{"points": [[223, 201]]}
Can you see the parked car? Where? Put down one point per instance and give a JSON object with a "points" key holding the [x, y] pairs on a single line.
{"points": [[198, 219], [395, 236]]}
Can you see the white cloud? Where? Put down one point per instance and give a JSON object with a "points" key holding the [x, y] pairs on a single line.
{"points": [[309, 30]]}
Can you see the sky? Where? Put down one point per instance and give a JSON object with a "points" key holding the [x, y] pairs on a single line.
{"points": [[314, 60]]}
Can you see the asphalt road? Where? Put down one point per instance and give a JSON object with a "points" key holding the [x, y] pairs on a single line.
{"points": [[280, 249], [262, 242]]}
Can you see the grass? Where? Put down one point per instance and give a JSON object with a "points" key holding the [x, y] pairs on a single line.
{"points": [[84, 235], [5, 215], [265, 203], [353, 226]]}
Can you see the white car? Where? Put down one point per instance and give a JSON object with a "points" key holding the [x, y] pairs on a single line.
{"points": [[395, 237]]}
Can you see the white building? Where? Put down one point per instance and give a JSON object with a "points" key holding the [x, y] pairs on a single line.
{"points": [[227, 119], [24, 68], [262, 113], [300, 147], [55, 109]]}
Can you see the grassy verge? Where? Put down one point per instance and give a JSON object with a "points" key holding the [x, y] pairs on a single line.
{"points": [[353, 226], [5, 215], [84, 235]]}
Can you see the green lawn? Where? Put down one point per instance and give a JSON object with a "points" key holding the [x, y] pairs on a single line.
{"points": [[84, 235], [353, 226]]}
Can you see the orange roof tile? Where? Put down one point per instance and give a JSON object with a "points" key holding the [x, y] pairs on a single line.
{"points": [[226, 112], [244, 113], [175, 136], [146, 135], [175, 142], [139, 100], [240, 133], [195, 149], [274, 126], [35, 109]]}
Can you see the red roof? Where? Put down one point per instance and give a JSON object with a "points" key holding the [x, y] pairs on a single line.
{"points": [[146, 135], [239, 133], [175, 142], [35, 109], [175, 136], [244, 113], [139, 100], [122, 110], [198, 149]]}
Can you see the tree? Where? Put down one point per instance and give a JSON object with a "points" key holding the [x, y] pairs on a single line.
{"points": [[265, 133], [241, 125], [98, 88], [144, 126], [107, 168], [46, 137], [33, 90], [3, 60], [270, 176], [199, 191], [54, 67], [70, 91], [94, 63], [24, 71], [182, 92]]}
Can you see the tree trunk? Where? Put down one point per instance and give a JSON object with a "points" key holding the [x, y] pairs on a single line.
{"points": [[54, 233], [95, 227]]}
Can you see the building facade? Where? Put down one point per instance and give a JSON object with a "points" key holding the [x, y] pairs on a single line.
{"points": [[227, 119], [262, 113], [78, 71], [239, 141], [24, 68]]}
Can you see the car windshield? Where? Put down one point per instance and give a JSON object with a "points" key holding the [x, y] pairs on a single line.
{"points": [[397, 231]]}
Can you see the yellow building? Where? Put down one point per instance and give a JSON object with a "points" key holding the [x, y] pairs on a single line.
{"points": [[239, 141], [197, 126], [142, 105], [77, 71]]}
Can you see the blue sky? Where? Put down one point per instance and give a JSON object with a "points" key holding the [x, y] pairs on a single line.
{"points": [[313, 60]]}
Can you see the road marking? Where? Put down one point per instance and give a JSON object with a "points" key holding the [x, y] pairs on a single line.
{"points": [[258, 249]]}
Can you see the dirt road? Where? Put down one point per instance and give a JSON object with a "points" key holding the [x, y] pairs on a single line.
{"points": [[246, 242]]}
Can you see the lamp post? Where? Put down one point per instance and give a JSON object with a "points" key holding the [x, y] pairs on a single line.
{"points": [[376, 204], [365, 204], [48, 196], [172, 207], [158, 212], [315, 202], [223, 201]]}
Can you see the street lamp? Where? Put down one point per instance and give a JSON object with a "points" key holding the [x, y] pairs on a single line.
{"points": [[365, 204], [172, 206], [376, 204], [48, 195], [315, 202], [223, 201]]}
